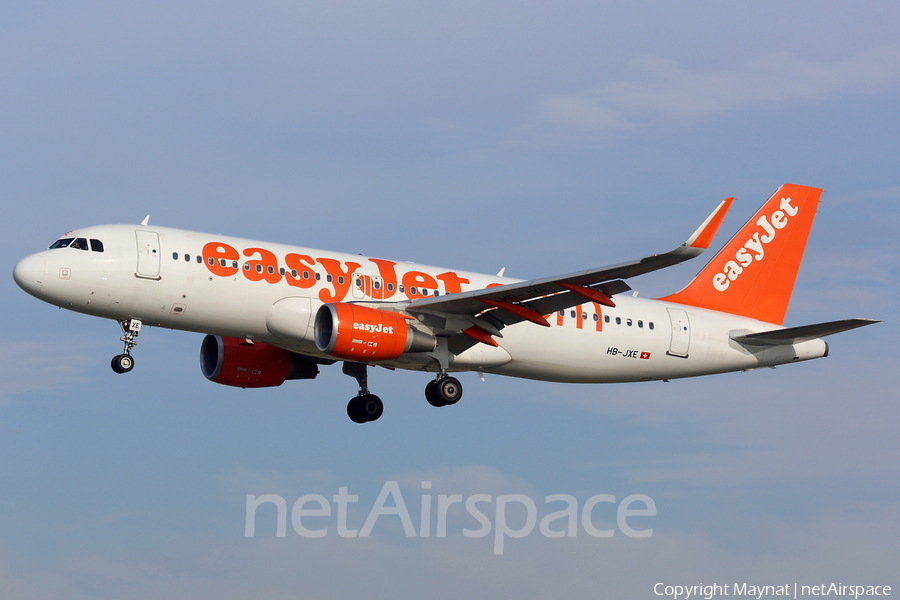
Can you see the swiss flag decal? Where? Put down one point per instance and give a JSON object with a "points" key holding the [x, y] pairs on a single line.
{"points": [[645, 355]]}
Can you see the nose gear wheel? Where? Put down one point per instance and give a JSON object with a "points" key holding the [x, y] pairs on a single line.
{"points": [[123, 363]]}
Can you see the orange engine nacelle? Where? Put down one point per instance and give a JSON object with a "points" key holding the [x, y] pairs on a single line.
{"points": [[235, 362], [354, 332]]}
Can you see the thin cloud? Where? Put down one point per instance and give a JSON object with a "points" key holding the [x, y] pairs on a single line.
{"points": [[666, 91], [34, 367]]}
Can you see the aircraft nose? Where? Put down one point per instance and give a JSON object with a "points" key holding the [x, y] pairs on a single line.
{"points": [[29, 273]]}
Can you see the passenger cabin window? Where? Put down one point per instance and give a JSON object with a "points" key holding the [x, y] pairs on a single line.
{"points": [[174, 256], [61, 243], [96, 246]]}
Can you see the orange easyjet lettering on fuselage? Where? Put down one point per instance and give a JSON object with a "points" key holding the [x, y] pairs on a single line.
{"points": [[223, 259], [302, 265], [452, 282], [220, 259], [599, 316], [340, 279], [388, 276], [264, 269], [418, 284]]}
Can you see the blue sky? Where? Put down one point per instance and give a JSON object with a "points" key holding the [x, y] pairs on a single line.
{"points": [[543, 138]]}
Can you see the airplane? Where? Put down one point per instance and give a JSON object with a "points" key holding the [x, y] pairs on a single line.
{"points": [[274, 312]]}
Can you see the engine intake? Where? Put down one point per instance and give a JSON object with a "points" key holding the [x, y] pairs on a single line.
{"points": [[235, 362], [355, 332]]}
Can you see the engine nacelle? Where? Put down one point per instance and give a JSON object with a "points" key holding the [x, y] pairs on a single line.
{"points": [[354, 332], [235, 362]]}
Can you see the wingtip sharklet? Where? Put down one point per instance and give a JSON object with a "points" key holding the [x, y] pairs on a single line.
{"points": [[701, 238]]}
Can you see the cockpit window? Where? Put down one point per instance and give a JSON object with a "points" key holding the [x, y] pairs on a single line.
{"points": [[79, 243]]}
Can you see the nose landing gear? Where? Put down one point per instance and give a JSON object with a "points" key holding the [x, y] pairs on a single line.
{"points": [[122, 363]]}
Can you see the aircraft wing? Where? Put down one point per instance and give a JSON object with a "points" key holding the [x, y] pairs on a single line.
{"points": [[550, 294], [475, 316]]}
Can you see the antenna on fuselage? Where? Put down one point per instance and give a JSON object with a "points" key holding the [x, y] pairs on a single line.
{"points": [[146, 220]]}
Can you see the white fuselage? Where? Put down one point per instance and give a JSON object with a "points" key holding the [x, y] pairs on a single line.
{"points": [[270, 292]]}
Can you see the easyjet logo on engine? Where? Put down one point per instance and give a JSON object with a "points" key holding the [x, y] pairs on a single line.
{"points": [[754, 249], [373, 328]]}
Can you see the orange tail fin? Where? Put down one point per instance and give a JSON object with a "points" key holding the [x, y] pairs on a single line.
{"points": [[753, 275]]}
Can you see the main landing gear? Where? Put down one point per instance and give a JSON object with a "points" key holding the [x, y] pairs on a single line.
{"points": [[364, 407], [443, 391], [124, 362]]}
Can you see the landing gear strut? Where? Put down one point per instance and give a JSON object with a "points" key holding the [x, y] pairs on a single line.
{"points": [[122, 363], [443, 391], [364, 407]]}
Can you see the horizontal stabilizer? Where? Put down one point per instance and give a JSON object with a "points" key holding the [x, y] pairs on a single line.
{"points": [[795, 335]]}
